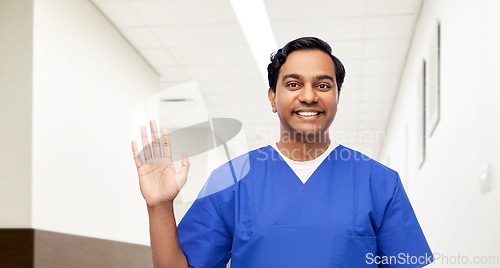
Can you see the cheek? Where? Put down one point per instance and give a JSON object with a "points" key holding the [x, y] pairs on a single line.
{"points": [[283, 103], [331, 102]]}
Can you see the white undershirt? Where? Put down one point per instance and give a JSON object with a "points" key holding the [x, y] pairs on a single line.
{"points": [[305, 169]]}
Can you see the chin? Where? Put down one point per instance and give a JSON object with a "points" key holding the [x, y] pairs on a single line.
{"points": [[310, 135]]}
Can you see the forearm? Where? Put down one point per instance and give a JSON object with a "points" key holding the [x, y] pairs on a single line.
{"points": [[165, 249]]}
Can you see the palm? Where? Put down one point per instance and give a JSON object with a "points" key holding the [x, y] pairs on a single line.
{"points": [[158, 178]]}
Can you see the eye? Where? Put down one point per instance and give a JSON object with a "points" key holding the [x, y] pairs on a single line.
{"points": [[292, 84], [324, 86]]}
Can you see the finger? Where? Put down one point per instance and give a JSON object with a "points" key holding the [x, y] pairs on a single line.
{"points": [[138, 162], [167, 149], [145, 144], [155, 140], [183, 171]]}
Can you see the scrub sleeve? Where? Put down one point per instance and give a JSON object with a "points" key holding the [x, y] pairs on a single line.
{"points": [[400, 237], [203, 235]]}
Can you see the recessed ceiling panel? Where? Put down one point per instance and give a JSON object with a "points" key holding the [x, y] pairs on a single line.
{"points": [[386, 48], [223, 72], [353, 67], [241, 86], [375, 94], [379, 81], [204, 35], [186, 12], [383, 66], [213, 55], [351, 82], [376, 106], [391, 7], [315, 9], [389, 26], [346, 50], [373, 116], [327, 29]]}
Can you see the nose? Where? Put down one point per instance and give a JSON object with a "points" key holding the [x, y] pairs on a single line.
{"points": [[308, 95]]}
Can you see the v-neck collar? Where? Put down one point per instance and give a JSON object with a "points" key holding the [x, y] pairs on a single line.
{"points": [[325, 157]]}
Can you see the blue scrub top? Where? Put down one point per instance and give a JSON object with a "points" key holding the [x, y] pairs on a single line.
{"points": [[352, 212]]}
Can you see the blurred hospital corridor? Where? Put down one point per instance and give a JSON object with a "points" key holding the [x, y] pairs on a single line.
{"points": [[79, 77]]}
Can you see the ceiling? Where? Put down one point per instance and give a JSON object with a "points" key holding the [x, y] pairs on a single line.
{"points": [[186, 40]]}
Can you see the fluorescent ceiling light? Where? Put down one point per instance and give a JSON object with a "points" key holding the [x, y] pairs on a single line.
{"points": [[254, 22]]}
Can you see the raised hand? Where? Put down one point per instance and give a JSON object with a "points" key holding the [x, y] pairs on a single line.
{"points": [[158, 179]]}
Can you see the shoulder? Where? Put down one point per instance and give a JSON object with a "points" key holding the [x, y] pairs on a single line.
{"points": [[376, 184], [231, 172], [368, 170]]}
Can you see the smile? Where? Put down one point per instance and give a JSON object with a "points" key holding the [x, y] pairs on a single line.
{"points": [[308, 113]]}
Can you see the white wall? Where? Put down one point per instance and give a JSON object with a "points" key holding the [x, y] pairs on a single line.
{"points": [[16, 31], [87, 79], [455, 216]]}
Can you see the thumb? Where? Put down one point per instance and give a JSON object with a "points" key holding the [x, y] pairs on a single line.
{"points": [[183, 171]]}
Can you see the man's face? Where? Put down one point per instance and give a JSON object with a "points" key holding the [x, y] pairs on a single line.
{"points": [[306, 96]]}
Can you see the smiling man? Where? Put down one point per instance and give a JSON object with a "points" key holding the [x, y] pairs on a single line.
{"points": [[304, 93], [302, 202]]}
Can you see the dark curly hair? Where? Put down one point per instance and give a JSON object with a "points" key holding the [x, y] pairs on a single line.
{"points": [[278, 58]]}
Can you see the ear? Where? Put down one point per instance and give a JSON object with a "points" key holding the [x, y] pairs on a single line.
{"points": [[338, 96], [271, 95]]}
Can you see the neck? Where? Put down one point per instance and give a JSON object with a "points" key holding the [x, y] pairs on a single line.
{"points": [[299, 147]]}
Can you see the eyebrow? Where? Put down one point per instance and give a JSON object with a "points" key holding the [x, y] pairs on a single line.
{"points": [[296, 76], [324, 76]]}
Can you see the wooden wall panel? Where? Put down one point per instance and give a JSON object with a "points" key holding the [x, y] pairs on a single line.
{"points": [[56, 250], [16, 248], [28, 248]]}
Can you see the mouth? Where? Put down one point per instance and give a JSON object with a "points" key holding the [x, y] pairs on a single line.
{"points": [[308, 114]]}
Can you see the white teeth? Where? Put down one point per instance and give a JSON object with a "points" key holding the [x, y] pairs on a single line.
{"points": [[308, 113]]}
